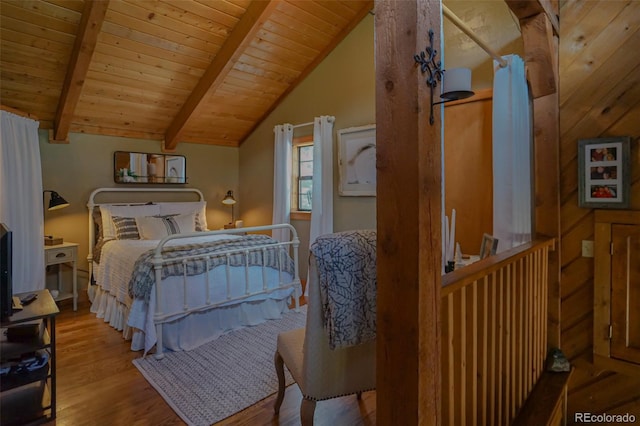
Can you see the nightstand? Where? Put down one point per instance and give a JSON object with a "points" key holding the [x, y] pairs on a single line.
{"points": [[59, 254]]}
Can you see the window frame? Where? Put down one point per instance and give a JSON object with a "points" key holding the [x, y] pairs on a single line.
{"points": [[298, 142]]}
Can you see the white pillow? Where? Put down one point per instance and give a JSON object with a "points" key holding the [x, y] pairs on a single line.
{"points": [[109, 210], [158, 227], [199, 207]]}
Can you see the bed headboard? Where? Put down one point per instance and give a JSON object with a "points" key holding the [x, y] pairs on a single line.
{"points": [[133, 192]]}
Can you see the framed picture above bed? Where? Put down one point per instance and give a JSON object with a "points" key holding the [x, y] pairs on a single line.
{"points": [[143, 167], [357, 161]]}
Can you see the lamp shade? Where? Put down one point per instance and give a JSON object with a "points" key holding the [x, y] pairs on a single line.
{"points": [[56, 202], [228, 199], [457, 84]]}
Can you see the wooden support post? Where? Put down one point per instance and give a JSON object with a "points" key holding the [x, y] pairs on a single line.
{"points": [[409, 191]]}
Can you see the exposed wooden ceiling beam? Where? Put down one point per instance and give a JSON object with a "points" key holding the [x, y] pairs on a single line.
{"points": [[538, 39], [538, 23], [528, 8], [366, 8], [257, 12], [85, 43]]}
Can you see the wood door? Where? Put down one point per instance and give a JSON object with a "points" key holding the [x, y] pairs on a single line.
{"points": [[625, 292]]}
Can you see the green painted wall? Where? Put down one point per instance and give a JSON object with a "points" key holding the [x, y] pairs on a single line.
{"points": [[343, 85]]}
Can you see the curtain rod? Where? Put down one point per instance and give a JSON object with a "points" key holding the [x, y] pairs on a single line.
{"points": [[303, 125], [468, 31]]}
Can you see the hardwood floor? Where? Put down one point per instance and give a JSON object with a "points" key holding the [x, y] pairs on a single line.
{"points": [[97, 384]]}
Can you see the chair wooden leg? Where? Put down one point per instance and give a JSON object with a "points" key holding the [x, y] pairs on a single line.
{"points": [[307, 408], [279, 362]]}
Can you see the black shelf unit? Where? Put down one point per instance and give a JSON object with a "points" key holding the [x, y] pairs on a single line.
{"points": [[29, 397]]}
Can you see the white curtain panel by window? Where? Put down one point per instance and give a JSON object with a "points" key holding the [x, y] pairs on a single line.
{"points": [[322, 196], [512, 187], [21, 206], [282, 179]]}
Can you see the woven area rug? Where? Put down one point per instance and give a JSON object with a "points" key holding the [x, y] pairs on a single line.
{"points": [[222, 377]]}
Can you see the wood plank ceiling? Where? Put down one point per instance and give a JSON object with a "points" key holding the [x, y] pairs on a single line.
{"points": [[200, 71]]}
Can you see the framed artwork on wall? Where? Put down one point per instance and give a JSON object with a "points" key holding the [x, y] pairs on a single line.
{"points": [[603, 173], [357, 161]]}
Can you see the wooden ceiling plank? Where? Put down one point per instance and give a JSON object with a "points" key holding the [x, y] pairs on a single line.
{"points": [[34, 72], [365, 7], [264, 73], [18, 112], [138, 69], [148, 61], [35, 42], [107, 41], [34, 30], [21, 54], [278, 54], [231, 8], [289, 44], [528, 8], [127, 33], [146, 17], [86, 39], [100, 77], [115, 131], [249, 24], [206, 17], [76, 5], [314, 41], [33, 16], [329, 14], [296, 13], [264, 56], [300, 27]]}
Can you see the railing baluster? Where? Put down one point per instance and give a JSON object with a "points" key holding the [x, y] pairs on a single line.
{"points": [[494, 339]]}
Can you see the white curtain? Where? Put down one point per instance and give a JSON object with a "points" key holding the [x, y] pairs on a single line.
{"points": [[322, 196], [21, 206], [512, 187], [282, 179]]}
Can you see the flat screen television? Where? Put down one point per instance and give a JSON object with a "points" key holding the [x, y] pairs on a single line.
{"points": [[6, 288]]}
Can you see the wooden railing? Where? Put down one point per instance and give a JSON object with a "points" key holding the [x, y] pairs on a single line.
{"points": [[494, 335]]}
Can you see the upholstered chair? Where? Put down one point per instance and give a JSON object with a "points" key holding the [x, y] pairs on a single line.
{"points": [[320, 372]]}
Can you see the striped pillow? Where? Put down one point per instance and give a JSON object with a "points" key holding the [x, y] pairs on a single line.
{"points": [[158, 227], [126, 228]]}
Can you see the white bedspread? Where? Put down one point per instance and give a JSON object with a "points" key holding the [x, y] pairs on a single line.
{"points": [[114, 272]]}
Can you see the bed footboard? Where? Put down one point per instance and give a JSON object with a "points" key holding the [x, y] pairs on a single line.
{"points": [[280, 261]]}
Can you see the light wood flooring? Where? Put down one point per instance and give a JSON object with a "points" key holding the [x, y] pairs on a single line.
{"points": [[99, 385]]}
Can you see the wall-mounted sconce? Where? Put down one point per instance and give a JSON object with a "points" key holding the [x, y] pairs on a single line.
{"points": [[456, 81]]}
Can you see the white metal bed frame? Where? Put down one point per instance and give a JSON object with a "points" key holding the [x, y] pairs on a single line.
{"points": [[158, 261]]}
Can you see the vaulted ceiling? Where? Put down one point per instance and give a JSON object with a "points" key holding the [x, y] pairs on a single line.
{"points": [[199, 71]]}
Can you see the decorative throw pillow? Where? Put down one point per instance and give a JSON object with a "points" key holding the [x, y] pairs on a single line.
{"points": [[109, 210], [126, 228], [199, 207], [158, 227]]}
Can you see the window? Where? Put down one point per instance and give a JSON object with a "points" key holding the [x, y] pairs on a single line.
{"points": [[302, 175]]}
